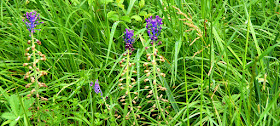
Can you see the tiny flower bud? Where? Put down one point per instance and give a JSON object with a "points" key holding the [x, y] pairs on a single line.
{"points": [[28, 95], [123, 103], [25, 77], [146, 48], [29, 41], [134, 71], [158, 69], [134, 102], [148, 74], [120, 84], [28, 58], [33, 47], [25, 64], [151, 92], [39, 42], [156, 50], [123, 97], [133, 79], [28, 85], [43, 59], [154, 62], [149, 102], [146, 80], [146, 87], [30, 67], [145, 64], [32, 79], [146, 71], [162, 74], [133, 83], [136, 93], [154, 82], [121, 88], [148, 96], [149, 58], [44, 73]]}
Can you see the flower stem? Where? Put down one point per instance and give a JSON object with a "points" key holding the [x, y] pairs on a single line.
{"points": [[35, 77], [155, 84], [127, 87]]}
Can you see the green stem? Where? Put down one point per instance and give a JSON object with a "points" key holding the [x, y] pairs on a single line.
{"points": [[127, 87], [186, 88], [155, 85], [35, 76]]}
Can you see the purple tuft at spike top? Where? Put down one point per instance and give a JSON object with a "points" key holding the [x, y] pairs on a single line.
{"points": [[96, 87], [154, 28], [31, 21]]}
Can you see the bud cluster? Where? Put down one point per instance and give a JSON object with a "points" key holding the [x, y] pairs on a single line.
{"points": [[34, 72]]}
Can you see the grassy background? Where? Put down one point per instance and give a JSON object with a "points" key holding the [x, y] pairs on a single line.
{"points": [[231, 74]]}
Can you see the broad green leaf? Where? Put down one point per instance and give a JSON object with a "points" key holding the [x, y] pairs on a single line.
{"points": [[112, 15], [120, 4], [142, 3], [14, 104], [126, 19], [143, 13], [136, 17], [9, 116]]}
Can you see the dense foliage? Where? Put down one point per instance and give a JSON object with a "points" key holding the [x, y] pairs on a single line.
{"points": [[139, 62]]}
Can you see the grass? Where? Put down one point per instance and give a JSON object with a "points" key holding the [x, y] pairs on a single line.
{"points": [[228, 76]]}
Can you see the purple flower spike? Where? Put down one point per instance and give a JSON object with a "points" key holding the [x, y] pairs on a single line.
{"points": [[96, 87], [129, 40], [31, 21], [153, 28]]}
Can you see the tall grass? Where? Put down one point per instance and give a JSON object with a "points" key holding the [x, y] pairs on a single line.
{"points": [[228, 76]]}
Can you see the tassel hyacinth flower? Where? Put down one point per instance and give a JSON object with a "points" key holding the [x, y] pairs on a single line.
{"points": [[130, 82], [129, 40], [31, 21], [152, 70], [96, 87], [34, 73], [154, 28]]}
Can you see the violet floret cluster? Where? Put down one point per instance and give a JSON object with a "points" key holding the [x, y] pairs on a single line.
{"points": [[154, 27], [31, 21], [129, 39], [96, 87]]}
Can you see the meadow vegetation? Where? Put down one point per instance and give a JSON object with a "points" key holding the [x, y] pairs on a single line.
{"points": [[140, 62]]}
